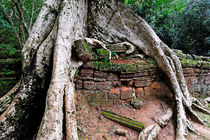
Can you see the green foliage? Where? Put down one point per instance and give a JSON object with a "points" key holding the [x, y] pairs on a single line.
{"points": [[160, 14], [103, 53], [9, 51], [193, 35], [7, 33], [181, 24]]}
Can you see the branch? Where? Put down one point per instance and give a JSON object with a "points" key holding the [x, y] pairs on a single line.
{"points": [[32, 14], [13, 26], [21, 15], [21, 31]]}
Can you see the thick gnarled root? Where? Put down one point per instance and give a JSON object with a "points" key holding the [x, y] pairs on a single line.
{"points": [[151, 132], [131, 48], [96, 42]]}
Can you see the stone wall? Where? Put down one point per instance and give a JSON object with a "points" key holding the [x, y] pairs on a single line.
{"points": [[113, 87]]}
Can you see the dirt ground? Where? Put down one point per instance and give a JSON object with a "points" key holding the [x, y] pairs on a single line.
{"points": [[93, 126]]}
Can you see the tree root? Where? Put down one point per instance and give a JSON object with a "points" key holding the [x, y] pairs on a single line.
{"points": [[96, 42], [151, 132], [200, 108], [16, 118], [129, 45], [163, 120], [7, 98]]}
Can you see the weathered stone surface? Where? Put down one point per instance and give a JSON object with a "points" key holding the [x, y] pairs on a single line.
{"points": [[114, 93], [140, 74], [149, 83], [149, 91], [188, 71], [79, 84], [126, 92], [89, 95], [104, 85], [107, 103], [153, 72], [99, 74], [156, 85], [126, 79], [101, 96], [143, 78], [89, 65], [86, 74], [129, 76], [115, 102], [99, 79], [112, 76], [136, 103], [116, 83], [118, 48], [89, 85], [140, 83], [139, 92], [83, 50]]}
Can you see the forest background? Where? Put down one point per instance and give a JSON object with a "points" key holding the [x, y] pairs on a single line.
{"points": [[181, 24]]}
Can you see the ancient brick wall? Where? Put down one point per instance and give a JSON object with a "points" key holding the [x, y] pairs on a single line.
{"points": [[112, 87]]}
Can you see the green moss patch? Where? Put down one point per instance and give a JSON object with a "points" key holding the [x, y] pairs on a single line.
{"points": [[188, 61], [132, 67], [194, 63], [102, 53]]}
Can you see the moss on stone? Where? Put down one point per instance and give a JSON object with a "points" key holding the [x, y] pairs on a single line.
{"points": [[99, 58], [83, 50], [124, 120], [188, 61], [102, 53], [120, 67], [102, 66], [194, 63]]}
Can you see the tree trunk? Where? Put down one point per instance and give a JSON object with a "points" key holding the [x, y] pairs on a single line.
{"points": [[49, 65]]}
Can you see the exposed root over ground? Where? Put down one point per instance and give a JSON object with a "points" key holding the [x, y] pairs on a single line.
{"points": [[92, 126]]}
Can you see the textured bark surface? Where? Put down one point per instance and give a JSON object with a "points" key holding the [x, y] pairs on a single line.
{"points": [[70, 27], [49, 66]]}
